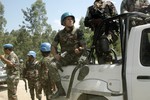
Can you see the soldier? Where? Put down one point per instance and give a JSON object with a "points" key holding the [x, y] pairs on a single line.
{"points": [[133, 5], [31, 74], [12, 69], [45, 66], [96, 13], [21, 68], [71, 40]]}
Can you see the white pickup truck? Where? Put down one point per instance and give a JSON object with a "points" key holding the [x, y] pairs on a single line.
{"points": [[3, 75], [128, 79]]}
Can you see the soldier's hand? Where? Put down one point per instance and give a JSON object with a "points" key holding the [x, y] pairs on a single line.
{"points": [[77, 51], [2, 56], [53, 86], [96, 21]]}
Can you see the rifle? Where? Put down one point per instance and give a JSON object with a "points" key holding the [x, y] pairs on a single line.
{"points": [[62, 55], [25, 84]]}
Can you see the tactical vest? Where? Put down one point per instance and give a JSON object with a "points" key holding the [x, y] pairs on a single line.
{"points": [[69, 40], [135, 5], [31, 69], [44, 68], [102, 13], [13, 70]]}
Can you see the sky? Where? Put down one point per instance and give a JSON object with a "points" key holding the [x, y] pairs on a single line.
{"points": [[54, 8]]}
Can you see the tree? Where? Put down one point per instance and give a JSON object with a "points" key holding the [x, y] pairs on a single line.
{"points": [[35, 18], [2, 19], [2, 25], [36, 24], [23, 42], [87, 32]]}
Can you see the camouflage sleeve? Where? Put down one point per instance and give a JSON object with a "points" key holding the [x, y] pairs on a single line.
{"points": [[13, 58], [56, 40], [88, 18], [123, 7], [37, 64], [113, 8], [25, 70]]}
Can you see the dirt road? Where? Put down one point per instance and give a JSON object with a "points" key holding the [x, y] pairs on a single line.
{"points": [[21, 93]]}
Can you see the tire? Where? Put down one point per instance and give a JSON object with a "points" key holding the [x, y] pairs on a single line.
{"points": [[91, 97]]}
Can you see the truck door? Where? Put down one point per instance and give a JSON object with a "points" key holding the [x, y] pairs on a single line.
{"points": [[139, 72]]}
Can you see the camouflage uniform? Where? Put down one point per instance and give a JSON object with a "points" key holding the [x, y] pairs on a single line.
{"points": [[133, 5], [44, 79], [95, 15], [31, 74], [12, 76], [68, 42], [22, 66]]}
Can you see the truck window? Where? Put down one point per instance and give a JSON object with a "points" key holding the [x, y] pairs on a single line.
{"points": [[145, 48]]}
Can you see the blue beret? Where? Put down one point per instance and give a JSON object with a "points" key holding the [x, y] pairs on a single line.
{"points": [[8, 46]]}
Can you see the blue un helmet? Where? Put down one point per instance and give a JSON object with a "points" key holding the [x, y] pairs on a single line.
{"points": [[32, 53], [8, 46], [66, 14], [45, 47]]}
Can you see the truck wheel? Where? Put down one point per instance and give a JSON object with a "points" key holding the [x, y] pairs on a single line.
{"points": [[97, 98], [91, 97]]}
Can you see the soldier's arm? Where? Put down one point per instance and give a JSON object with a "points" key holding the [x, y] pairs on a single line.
{"points": [[81, 40], [112, 6], [8, 62], [25, 70], [88, 19], [123, 7], [54, 47]]}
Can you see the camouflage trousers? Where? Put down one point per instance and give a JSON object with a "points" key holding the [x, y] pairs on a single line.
{"points": [[33, 86], [69, 59], [53, 73], [55, 65], [12, 84], [45, 85]]}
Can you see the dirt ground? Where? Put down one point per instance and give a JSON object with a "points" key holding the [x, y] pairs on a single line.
{"points": [[21, 93]]}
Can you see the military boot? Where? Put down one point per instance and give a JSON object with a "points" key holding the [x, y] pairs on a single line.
{"points": [[39, 97], [60, 91]]}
